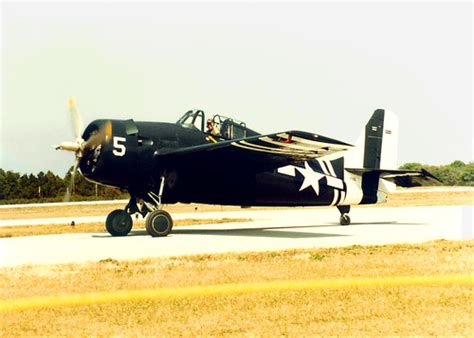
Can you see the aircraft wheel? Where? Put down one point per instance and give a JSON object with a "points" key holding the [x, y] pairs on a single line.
{"points": [[158, 223], [345, 219], [119, 223]]}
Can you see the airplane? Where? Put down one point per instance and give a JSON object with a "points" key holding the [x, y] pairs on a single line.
{"points": [[218, 160]]}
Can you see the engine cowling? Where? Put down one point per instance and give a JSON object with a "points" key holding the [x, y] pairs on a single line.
{"points": [[113, 160]]}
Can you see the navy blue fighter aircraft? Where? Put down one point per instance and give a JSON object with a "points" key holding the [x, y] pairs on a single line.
{"points": [[219, 160]]}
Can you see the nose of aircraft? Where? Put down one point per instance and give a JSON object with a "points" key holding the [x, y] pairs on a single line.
{"points": [[97, 134], [85, 143]]}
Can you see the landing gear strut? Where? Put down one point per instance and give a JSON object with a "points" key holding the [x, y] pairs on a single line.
{"points": [[344, 210], [158, 223]]}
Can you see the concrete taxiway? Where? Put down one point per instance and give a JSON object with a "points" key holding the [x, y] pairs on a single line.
{"points": [[270, 230]]}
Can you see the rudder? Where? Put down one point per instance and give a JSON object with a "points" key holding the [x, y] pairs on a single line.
{"points": [[377, 145]]}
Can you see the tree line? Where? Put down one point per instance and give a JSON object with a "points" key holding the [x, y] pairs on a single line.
{"points": [[49, 187], [455, 173]]}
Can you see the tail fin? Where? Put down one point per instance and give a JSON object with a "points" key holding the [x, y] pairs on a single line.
{"points": [[377, 145]]}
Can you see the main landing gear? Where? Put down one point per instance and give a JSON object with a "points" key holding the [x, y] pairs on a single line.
{"points": [[119, 223], [344, 210], [158, 223]]}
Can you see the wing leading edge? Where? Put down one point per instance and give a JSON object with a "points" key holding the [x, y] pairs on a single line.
{"points": [[255, 153]]}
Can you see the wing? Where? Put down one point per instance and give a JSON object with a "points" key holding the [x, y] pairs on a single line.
{"points": [[255, 153], [403, 178]]}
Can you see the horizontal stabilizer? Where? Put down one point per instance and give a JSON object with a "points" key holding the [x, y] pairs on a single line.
{"points": [[402, 178]]}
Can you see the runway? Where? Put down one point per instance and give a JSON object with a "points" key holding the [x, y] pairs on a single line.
{"points": [[270, 230]]}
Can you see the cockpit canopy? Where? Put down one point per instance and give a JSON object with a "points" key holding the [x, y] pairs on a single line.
{"points": [[216, 125]]}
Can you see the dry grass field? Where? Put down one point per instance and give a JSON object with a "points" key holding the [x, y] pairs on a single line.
{"points": [[95, 210], [53, 229], [425, 197], [402, 310]]}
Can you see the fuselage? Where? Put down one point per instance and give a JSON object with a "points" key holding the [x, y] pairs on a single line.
{"points": [[128, 160]]}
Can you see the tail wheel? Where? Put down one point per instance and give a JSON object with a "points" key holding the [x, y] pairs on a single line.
{"points": [[119, 223], [158, 223], [345, 219]]}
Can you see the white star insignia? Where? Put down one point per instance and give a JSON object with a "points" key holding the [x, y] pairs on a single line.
{"points": [[311, 178]]}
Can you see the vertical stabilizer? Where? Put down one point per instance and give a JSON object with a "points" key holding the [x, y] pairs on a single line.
{"points": [[377, 145]]}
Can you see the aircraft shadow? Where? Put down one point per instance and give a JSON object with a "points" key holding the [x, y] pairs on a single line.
{"points": [[269, 232], [275, 232]]}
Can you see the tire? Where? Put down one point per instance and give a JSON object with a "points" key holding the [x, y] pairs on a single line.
{"points": [[119, 223], [345, 219], [158, 223]]}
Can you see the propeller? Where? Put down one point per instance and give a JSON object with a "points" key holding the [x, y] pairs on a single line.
{"points": [[77, 128], [67, 195], [76, 146], [77, 125], [79, 146]]}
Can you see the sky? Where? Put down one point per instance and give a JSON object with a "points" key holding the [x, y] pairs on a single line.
{"points": [[318, 67]]}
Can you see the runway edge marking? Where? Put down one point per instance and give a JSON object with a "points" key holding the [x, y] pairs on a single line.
{"points": [[119, 296]]}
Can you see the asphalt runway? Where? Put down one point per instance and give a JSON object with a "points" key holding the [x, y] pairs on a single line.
{"points": [[270, 230]]}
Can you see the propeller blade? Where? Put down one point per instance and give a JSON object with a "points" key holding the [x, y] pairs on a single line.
{"points": [[67, 195], [68, 146], [98, 138], [94, 140], [77, 125], [108, 130]]}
